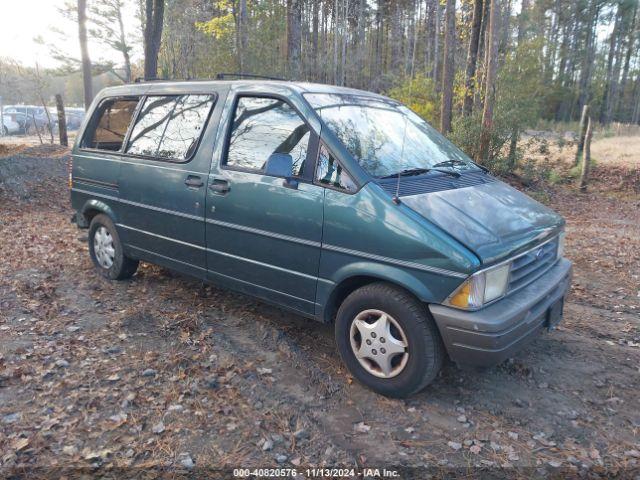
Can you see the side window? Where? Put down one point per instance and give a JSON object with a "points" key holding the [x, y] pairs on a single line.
{"points": [[330, 172], [169, 127], [262, 127], [109, 125]]}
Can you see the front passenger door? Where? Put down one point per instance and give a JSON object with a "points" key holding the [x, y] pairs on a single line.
{"points": [[264, 232]]}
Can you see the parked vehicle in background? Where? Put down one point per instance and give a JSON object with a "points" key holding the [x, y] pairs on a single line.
{"points": [[25, 122], [74, 118], [30, 116], [9, 125], [339, 204]]}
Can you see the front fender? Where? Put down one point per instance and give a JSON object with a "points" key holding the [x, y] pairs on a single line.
{"points": [[388, 273]]}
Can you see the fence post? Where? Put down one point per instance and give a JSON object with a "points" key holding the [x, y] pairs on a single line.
{"points": [[583, 132], [586, 160], [62, 121], [1, 117]]}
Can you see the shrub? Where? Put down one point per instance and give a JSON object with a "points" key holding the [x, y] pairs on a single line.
{"points": [[419, 94]]}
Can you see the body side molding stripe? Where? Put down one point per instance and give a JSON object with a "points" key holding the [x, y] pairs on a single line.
{"points": [[261, 264], [169, 239], [393, 261], [141, 205], [190, 265], [288, 238], [265, 233]]}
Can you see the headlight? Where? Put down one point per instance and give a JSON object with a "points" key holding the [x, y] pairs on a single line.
{"points": [[560, 245], [481, 287]]}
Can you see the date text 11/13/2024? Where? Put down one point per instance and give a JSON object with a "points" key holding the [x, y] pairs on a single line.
{"points": [[316, 473]]}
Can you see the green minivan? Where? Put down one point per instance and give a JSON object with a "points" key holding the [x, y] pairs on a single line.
{"points": [[338, 204]]}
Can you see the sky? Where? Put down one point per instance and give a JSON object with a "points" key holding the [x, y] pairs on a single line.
{"points": [[22, 20]]}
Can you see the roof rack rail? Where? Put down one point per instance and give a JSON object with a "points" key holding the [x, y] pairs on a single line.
{"points": [[223, 76], [143, 80]]}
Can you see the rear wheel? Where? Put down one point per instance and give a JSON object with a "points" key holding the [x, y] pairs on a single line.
{"points": [[106, 250], [388, 340]]}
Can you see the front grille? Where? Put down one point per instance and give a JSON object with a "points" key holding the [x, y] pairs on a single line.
{"points": [[526, 268]]}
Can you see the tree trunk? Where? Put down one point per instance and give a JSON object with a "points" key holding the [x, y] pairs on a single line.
{"points": [[243, 35], [294, 28], [482, 55], [84, 53], [335, 41], [472, 58], [314, 39], [414, 46], [515, 131], [154, 21], [436, 47], [345, 34], [635, 117], [396, 37], [361, 46], [62, 122], [123, 44], [584, 120], [589, 53], [584, 175], [604, 111], [490, 81], [523, 20], [378, 51], [448, 67], [630, 44]]}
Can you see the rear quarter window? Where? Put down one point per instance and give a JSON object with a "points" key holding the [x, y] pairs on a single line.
{"points": [[109, 124]]}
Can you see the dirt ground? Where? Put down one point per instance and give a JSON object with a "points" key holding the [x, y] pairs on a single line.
{"points": [[163, 374]]}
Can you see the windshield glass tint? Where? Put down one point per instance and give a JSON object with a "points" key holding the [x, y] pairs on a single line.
{"points": [[386, 137]]}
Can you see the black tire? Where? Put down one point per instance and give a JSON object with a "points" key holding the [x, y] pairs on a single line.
{"points": [[123, 267], [425, 348]]}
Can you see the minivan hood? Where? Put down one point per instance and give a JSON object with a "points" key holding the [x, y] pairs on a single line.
{"points": [[492, 219]]}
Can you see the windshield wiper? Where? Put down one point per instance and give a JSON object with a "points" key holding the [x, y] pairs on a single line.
{"points": [[419, 171], [451, 163]]}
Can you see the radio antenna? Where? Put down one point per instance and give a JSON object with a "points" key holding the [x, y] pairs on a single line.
{"points": [[396, 198]]}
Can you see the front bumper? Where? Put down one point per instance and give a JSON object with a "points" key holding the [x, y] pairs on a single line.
{"points": [[489, 336]]}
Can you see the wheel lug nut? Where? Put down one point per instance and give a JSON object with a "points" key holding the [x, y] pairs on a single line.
{"points": [[383, 351], [382, 340], [368, 342], [374, 351], [373, 335]]}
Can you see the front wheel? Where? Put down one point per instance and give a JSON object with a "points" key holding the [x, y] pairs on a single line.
{"points": [[388, 340], [106, 251]]}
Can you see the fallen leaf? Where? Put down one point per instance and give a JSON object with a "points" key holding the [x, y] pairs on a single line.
{"points": [[20, 444]]}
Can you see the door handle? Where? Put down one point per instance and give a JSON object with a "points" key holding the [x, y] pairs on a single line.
{"points": [[194, 181], [220, 186]]}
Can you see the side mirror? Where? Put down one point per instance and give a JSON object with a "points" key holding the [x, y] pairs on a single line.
{"points": [[279, 165]]}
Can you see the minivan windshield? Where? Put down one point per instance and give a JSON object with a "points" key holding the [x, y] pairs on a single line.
{"points": [[385, 137]]}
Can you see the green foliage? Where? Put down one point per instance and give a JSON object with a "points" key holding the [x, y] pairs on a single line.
{"points": [[222, 26], [419, 94], [519, 89], [555, 177]]}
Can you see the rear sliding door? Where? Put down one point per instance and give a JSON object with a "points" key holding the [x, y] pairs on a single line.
{"points": [[163, 182]]}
